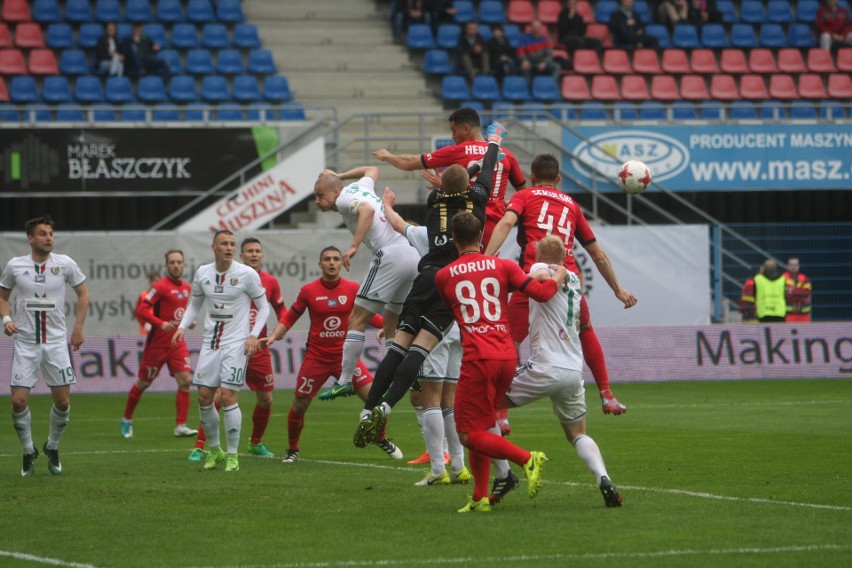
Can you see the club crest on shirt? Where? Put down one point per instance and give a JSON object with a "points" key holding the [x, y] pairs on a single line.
{"points": [[234, 281], [342, 300], [54, 270]]}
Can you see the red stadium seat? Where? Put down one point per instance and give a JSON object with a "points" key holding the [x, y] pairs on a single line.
{"points": [[646, 61], [43, 62], [601, 32], [703, 61], [28, 35], [819, 61], [615, 62], [586, 12], [12, 62], [4, 93], [839, 86], [604, 88], [811, 87], [15, 11], [844, 59], [761, 60], [548, 11], [782, 87], [733, 61], [723, 88], [664, 88], [676, 62], [634, 88], [520, 12], [753, 88], [693, 88], [5, 36], [575, 88], [586, 62], [790, 61]]}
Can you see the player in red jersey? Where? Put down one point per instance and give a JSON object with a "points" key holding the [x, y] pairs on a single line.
{"points": [[469, 148], [541, 210], [329, 300], [163, 308], [476, 289]]}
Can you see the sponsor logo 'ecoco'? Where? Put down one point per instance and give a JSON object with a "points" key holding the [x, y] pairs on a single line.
{"points": [[665, 156]]}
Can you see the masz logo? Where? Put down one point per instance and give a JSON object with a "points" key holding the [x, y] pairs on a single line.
{"points": [[665, 156]]}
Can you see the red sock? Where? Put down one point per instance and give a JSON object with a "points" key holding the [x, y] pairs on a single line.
{"points": [[260, 418], [592, 350], [182, 406], [132, 400], [295, 423], [495, 446], [480, 466]]}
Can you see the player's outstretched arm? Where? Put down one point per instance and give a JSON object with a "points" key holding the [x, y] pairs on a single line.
{"points": [[358, 173], [277, 333], [604, 265], [388, 201], [405, 162], [501, 231]]}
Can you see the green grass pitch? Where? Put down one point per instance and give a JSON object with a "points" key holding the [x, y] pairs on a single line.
{"points": [[712, 474]]}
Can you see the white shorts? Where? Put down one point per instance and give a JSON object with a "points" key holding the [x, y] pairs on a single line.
{"points": [[224, 367], [389, 278], [444, 361], [535, 381], [51, 360]]}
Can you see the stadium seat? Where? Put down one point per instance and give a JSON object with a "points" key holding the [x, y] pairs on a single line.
{"points": [[8, 113], [802, 110], [261, 111], [58, 36], [604, 88], [464, 11], [600, 32], [70, 113], [664, 88], [586, 62], [6, 36], [761, 60], [658, 31], [246, 36], [28, 35], [276, 88], [646, 61], [42, 62], [713, 36], [165, 113], [502, 111], [779, 12], [710, 110], [119, 90], [593, 110], [199, 61], [545, 89], [604, 9], [229, 112], [200, 11], [214, 88], [56, 90], [454, 88], [139, 11], [733, 61], [563, 112], [89, 35], [844, 59], [157, 33], [752, 12], [839, 86], [12, 62], [478, 106], [742, 110], [772, 109], [447, 36], [24, 89], [782, 87], [37, 113], [652, 110], [197, 112], [230, 11], [753, 88], [831, 110], [133, 113], [703, 61], [170, 11], [74, 62], [46, 11], [819, 61], [790, 61], [485, 88], [491, 12], [520, 12], [230, 62], [108, 11], [623, 111], [674, 61], [693, 88], [742, 35], [515, 89], [800, 35], [78, 11], [685, 36], [683, 110], [4, 92], [806, 10], [420, 37], [634, 88], [103, 113], [246, 89], [723, 88], [152, 89], [616, 62], [575, 88], [215, 36], [772, 36], [643, 11], [15, 11], [184, 36], [292, 111], [172, 59], [547, 12], [729, 13], [182, 89], [437, 62], [260, 62]]}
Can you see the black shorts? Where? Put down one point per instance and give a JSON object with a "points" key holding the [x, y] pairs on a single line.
{"points": [[423, 308]]}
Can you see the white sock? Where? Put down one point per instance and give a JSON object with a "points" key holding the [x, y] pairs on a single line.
{"points": [[24, 427], [210, 420], [501, 467], [451, 439], [58, 422], [433, 433], [353, 348], [418, 413], [589, 452], [386, 408], [233, 422]]}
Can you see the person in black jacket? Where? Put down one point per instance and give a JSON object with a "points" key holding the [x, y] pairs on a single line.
{"points": [[501, 54], [140, 55], [571, 30], [108, 56], [628, 31]]}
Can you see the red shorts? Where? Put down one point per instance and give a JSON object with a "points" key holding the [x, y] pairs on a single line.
{"points": [[313, 374], [482, 386], [519, 315], [259, 372], [155, 356]]}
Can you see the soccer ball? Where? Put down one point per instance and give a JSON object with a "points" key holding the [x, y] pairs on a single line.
{"points": [[633, 177]]}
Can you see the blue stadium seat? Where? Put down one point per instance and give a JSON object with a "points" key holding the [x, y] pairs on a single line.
{"points": [[772, 110], [59, 36], [74, 62], [454, 88], [742, 110], [660, 32], [46, 11], [448, 36], [170, 11], [779, 11], [515, 88], [214, 88], [437, 62], [89, 35], [230, 62], [103, 113], [643, 11], [502, 110], [230, 11], [229, 112], [37, 113], [563, 112], [713, 36], [24, 89], [172, 59], [742, 35], [139, 11], [802, 110], [184, 36], [70, 113], [806, 10], [652, 110], [246, 89], [683, 110], [215, 36], [605, 8], [108, 11], [133, 113], [246, 36], [545, 89], [119, 90], [685, 36], [123, 30], [292, 111], [593, 110], [182, 89], [492, 12], [772, 36], [478, 106], [420, 37], [88, 89], [485, 32], [78, 11], [152, 89], [710, 110], [157, 33], [260, 62], [485, 88], [262, 111], [199, 61], [8, 113], [800, 35], [165, 113], [729, 13], [276, 88], [831, 109], [464, 11], [197, 112], [751, 12], [623, 110], [56, 90], [200, 11]]}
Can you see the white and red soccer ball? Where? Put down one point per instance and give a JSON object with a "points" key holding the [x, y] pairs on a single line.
{"points": [[633, 177]]}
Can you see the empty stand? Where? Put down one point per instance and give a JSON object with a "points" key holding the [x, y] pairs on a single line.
{"points": [[646, 61], [703, 61]]}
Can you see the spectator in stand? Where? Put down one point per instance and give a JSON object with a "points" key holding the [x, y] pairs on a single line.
{"points": [[472, 52], [443, 12], [140, 54], [747, 300], [571, 30], [673, 12], [628, 31], [408, 12], [703, 12], [798, 293], [536, 53], [501, 55], [769, 294], [833, 25], [108, 56]]}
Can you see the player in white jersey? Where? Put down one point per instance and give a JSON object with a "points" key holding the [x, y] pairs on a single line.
{"points": [[555, 365], [40, 281], [392, 268], [229, 288]]}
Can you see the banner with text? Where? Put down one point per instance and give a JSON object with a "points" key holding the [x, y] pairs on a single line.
{"points": [[719, 157]]}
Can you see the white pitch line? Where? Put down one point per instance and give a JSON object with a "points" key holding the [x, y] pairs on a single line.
{"points": [[43, 559]]}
